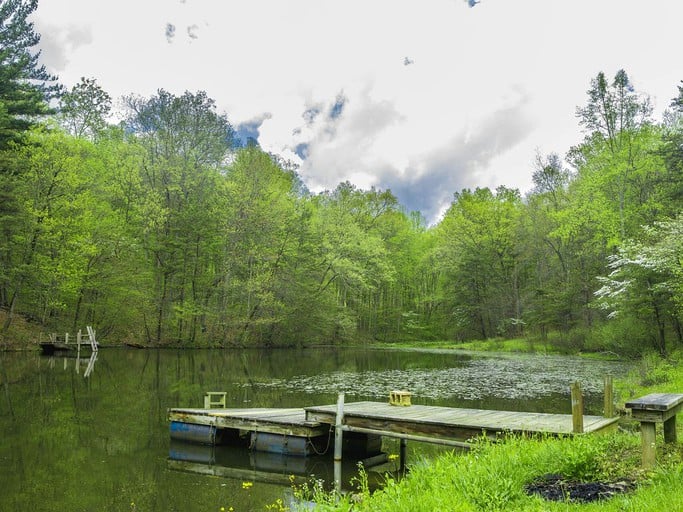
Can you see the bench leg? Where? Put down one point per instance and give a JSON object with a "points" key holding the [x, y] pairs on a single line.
{"points": [[670, 430], [647, 432]]}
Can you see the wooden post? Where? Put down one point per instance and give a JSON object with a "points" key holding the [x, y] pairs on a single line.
{"points": [[338, 440], [577, 408], [78, 350], [78, 357], [609, 397]]}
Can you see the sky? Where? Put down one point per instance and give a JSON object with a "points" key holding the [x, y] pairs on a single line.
{"points": [[422, 97]]}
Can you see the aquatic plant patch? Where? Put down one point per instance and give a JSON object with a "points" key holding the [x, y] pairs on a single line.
{"points": [[508, 376]]}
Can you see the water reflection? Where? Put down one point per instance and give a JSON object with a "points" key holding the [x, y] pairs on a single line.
{"points": [[244, 464], [78, 362]]}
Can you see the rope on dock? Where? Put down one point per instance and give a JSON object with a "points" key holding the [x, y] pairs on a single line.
{"points": [[329, 440]]}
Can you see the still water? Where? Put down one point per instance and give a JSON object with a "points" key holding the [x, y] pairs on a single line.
{"points": [[101, 442]]}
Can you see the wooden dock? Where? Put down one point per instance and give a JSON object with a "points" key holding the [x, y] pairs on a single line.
{"points": [[66, 343], [435, 423], [425, 423]]}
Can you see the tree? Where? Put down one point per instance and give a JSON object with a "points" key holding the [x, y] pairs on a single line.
{"points": [[47, 248], [482, 268], [672, 152], [262, 281], [84, 109], [613, 110], [351, 256], [187, 144], [617, 150], [25, 85], [551, 293], [644, 283], [550, 176]]}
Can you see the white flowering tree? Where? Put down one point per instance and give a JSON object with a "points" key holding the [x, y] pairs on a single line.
{"points": [[646, 281]]}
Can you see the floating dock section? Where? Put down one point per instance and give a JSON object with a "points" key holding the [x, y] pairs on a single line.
{"points": [[285, 431], [310, 430]]}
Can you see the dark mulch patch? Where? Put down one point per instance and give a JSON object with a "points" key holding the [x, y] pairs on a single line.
{"points": [[558, 488]]}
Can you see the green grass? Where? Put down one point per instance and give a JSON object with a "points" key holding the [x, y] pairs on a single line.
{"points": [[493, 477], [491, 345], [511, 345]]}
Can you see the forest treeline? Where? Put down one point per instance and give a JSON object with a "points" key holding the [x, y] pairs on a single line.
{"points": [[163, 228]]}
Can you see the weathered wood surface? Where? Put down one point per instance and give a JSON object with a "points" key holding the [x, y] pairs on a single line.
{"points": [[288, 421], [453, 423], [656, 402]]}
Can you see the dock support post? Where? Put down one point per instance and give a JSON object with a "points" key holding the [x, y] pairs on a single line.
{"points": [[402, 455], [78, 350], [338, 440], [609, 397], [577, 408]]}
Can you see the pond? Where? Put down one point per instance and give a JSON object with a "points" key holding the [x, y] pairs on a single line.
{"points": [[101, 442]]}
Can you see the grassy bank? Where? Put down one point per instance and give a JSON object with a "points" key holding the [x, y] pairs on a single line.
{"points": [[514, 345], [496, 477]]}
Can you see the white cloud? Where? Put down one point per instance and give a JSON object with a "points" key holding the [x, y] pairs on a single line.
{"points": [[60, 41], [485, 88]]}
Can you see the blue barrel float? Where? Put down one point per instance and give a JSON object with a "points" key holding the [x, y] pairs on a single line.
{"points": [[193, 433]]}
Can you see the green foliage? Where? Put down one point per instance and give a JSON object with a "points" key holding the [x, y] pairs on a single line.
{"points": [[162, 229], [568, 342], [625, 336]]}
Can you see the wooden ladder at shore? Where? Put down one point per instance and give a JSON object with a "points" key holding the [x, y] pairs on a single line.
{"points": [[91, 336]]}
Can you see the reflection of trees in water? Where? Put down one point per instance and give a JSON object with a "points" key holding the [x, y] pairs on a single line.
{"points": [[5, 387]]}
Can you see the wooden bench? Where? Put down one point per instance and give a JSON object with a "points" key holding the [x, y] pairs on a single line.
{"points": [[215, 400], [650, 410]]}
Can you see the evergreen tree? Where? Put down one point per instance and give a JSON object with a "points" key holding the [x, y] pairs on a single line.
{"points": [[25, 85]]}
